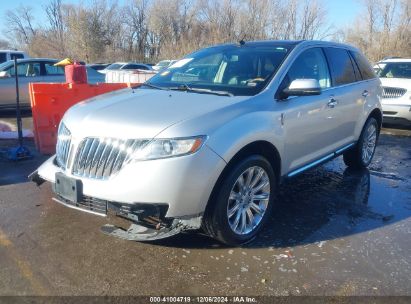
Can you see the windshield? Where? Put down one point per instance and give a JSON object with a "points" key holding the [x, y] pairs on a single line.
{"points": [[395, 70], [237, 70], [114, 66], [163, 63]]}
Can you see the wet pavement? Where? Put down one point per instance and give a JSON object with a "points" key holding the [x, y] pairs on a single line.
{"points": [[334, 232]]}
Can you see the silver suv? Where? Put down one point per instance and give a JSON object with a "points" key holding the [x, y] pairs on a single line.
{"points": [[206, 142]]}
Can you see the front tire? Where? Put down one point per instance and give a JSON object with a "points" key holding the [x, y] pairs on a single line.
{"points": [[361, 155], [243, 201]]}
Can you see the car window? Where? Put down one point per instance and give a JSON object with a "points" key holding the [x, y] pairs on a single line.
{"points": [[114, 66], [134, 67], [358, 76], [52, 70], [311, 64], [16, 55], [396, 70], [364, 66], [142, 67], [3, 57], [27, 69], [342, 70]]}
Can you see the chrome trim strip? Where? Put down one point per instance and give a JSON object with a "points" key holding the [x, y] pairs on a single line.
{"points": [[295, 172], [344, 148], [77, 208], [318, 161]]}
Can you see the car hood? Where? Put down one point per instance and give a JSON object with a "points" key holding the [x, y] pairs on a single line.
{"points": [[139, 113]]}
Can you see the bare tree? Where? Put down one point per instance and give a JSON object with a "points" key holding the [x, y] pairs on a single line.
{"points": [[56, 28], [20, 24]]}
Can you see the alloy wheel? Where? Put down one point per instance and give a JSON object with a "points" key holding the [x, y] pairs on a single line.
{"points": [[369, 143], [248, 200]]}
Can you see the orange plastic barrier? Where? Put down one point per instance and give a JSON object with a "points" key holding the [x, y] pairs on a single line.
{"points": [[49, 102]]}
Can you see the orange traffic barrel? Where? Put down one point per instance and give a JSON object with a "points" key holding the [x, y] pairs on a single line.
{"points": [[49, 102], [75, 73]]}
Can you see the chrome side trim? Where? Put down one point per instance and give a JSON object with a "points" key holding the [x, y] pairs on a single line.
{"points": [[321, 160], [295, 172], [344, 148]]}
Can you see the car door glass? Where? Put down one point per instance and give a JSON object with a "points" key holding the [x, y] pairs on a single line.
{"points": [[52, 70], [3, 57], [28, 69], [341, 67], [311, 64], [16, 55], [142, 67], [365, 68]]}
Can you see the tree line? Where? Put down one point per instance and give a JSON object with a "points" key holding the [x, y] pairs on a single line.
{"points": [[149, 30]]}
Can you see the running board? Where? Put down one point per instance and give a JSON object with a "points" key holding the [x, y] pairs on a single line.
{"points": [[320, 161]]}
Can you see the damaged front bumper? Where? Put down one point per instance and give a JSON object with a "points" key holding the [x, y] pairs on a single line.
{"points": [[147, 220]]}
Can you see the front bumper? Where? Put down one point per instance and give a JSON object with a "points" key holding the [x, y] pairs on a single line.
{"points": [[396, 112], [182, 184]]}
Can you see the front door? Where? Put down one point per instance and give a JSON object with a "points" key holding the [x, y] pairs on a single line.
{"points": [[309, 121]]}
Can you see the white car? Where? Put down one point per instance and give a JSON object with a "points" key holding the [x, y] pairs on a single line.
{"points": [[163, 64], [6, 55], [126, 66], [395, 75]]}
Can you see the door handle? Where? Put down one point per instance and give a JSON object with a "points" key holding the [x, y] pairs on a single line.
{"points": [[365, 93], [332, 102]]}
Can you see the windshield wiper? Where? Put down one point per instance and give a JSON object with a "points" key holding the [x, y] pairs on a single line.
{"points": [[150, 86], [185, 87]]}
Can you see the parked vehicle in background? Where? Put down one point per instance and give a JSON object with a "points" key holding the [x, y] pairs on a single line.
{"points": [[98, 66], [206, 143], [395, 76], [6, 55], [163, 64], [127, 66], [32, 70]]}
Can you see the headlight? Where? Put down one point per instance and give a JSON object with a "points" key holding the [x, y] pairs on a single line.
{"points": [[165, 148]]}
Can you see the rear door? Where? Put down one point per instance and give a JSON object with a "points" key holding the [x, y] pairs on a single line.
{"points": [[347, 90]]}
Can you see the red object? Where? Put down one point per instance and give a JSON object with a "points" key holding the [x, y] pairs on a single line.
{"points": [[75, 73], [49, 102]]}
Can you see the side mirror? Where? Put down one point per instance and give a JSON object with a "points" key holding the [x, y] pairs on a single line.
{"points": [[4, 74], [303, 87]]}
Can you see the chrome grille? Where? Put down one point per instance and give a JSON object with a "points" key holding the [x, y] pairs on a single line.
{"points": [[63, 145], [389, 92], [100, 158]]}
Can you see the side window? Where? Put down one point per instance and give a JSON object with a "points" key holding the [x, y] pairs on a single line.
{"points": [[3, 57], [16, 55], [52, 70], [357, 73], [29, 69], [364, 66], [142, 67], [311, 64], [342, 70]]}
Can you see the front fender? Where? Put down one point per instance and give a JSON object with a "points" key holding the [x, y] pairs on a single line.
{"points": [[231, 137]]}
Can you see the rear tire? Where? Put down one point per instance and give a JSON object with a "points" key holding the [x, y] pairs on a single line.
{"points": [[361, 155], [242, 202]]}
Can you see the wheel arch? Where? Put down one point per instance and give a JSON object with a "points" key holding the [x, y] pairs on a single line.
{"points": [[377, 114], [260, 147]]}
